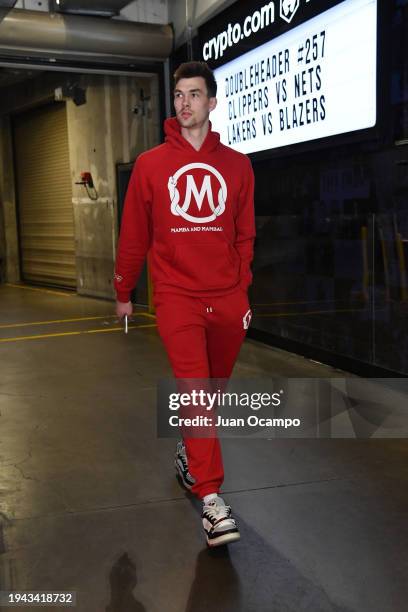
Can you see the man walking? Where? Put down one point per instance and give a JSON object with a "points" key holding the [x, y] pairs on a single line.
{"points": [[190, 204]]}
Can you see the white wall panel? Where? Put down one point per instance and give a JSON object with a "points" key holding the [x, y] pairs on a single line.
{"points": [[147, 11]]}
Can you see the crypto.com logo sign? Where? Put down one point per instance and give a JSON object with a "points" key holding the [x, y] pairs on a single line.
{"points": [[288, 9], [251, 24]]}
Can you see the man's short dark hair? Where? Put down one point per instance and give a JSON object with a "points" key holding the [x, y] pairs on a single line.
{"points": [[188, 70]]}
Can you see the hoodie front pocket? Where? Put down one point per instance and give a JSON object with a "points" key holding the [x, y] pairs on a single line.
{"points": [[208, 265]]}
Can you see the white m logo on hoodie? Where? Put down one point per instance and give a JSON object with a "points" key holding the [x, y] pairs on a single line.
{"points": [[199, 195]]}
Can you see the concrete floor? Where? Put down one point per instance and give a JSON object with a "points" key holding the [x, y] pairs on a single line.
{"points": [[89, 501]]}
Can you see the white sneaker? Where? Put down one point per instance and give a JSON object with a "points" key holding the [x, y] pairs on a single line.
{"points": [[181, 465], [219, 526]]}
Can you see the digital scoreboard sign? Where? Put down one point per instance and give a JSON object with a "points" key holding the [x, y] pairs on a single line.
{"points": [[316, 80]]}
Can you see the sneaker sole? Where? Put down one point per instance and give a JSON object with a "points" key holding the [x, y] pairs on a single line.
{"points": [[227, 538], [181, 476]]}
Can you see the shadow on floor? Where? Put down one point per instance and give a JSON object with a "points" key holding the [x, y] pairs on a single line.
{"points": [[252, 576], [123, 580]]}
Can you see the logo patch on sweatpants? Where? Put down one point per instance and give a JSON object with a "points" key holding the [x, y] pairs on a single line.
{"points": [[246, 319]]}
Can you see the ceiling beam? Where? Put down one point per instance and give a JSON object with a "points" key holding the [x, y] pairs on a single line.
{"points": [[106, 8]]}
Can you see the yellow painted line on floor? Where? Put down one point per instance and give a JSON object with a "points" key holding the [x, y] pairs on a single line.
{"points": [[76, 333], [149, 315], [67, 294], [97, 331], [8, 325], [110, 316], [55, 292]]}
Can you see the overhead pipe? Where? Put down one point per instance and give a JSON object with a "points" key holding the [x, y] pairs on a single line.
{"points": [[56, 36]]}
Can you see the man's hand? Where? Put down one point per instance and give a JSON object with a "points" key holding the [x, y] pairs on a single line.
{"points": [[123, 308]]}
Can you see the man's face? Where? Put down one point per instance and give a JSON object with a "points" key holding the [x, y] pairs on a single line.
{"points": [[191, 102]]}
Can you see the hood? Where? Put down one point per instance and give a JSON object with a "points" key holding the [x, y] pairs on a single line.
{"points": [[174, 138]]}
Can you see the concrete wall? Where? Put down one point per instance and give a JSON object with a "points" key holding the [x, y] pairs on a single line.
{"points": [[32, 5], [147, 11], [193, 13], [103, 132]]}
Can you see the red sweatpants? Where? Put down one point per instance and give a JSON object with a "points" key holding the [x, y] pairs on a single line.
{"points": [[202, 337]]}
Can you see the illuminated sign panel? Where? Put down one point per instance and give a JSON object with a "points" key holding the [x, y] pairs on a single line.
{"points": [[314, 81]]}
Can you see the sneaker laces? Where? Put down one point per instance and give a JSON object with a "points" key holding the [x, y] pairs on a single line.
{"points": [[217, 512]]}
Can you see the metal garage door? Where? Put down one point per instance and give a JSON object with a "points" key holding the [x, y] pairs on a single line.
{"points": [[45, 196]]}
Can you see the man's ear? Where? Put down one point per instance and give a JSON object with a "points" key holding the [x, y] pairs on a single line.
{"points": [[213, 103]]}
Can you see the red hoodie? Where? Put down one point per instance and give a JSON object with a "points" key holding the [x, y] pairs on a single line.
{"points": [[193, 212]]}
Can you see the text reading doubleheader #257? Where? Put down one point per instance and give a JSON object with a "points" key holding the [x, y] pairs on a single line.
{"points": [[316, 80]]}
